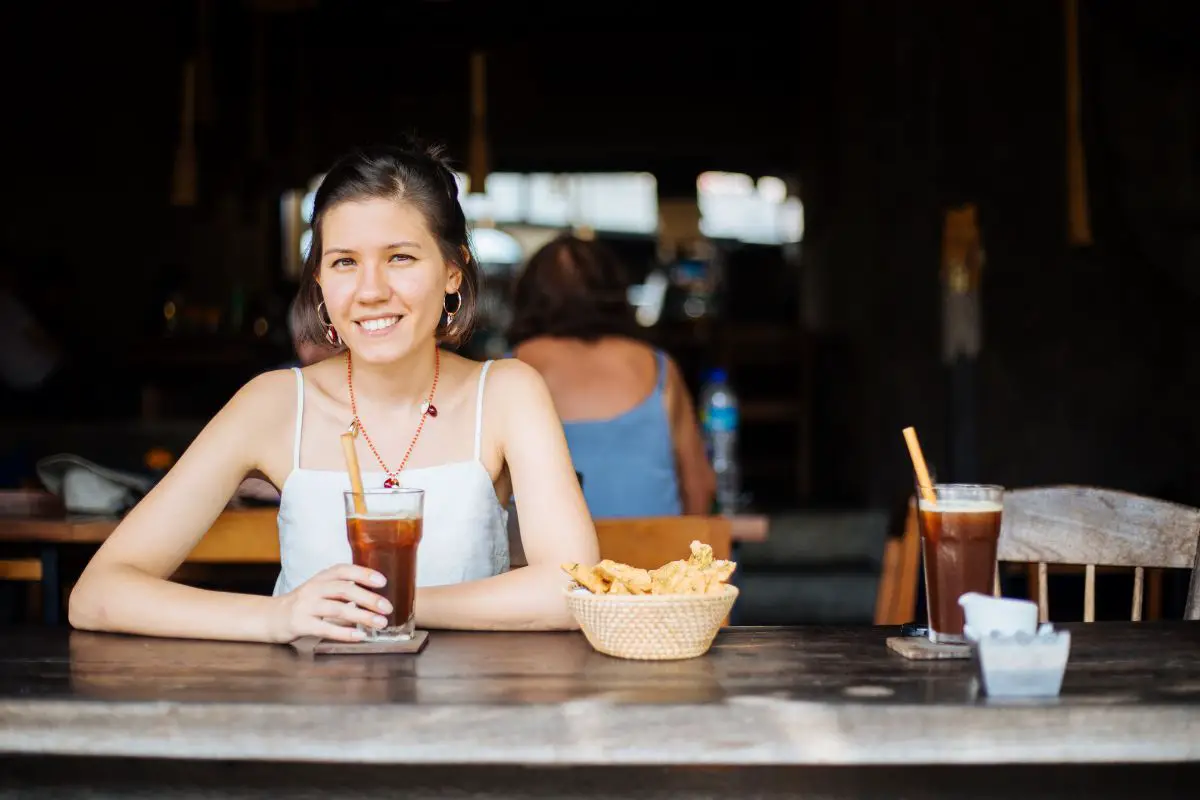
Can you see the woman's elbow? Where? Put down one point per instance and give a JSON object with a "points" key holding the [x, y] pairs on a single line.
{"points": [[85, 611], [88, 606], [553, 613], [561, 621]]}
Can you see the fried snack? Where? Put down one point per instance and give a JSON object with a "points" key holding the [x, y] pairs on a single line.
{"points": [[636, 580], [700, 573], [587, 578], [702, 555]]}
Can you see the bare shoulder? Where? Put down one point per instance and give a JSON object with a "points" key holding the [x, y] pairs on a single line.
{"points": [[265, 396], [510, 379], [515, 391], [673, 382], [674, 374], [242, 436]]}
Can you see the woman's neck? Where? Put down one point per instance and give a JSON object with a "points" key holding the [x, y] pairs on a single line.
{"points": [[405, 383]]}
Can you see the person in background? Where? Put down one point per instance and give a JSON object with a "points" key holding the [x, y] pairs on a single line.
{"points": [[626, 410], [390, 276]]}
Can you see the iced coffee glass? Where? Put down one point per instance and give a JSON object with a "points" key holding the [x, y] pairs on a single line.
{"points": [[959, 532], [384, 528]]}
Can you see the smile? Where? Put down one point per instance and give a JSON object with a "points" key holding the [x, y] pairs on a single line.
{"points": [[378, 324]]}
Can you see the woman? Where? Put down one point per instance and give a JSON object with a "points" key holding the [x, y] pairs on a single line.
{"points": [[388, 276], [628, 416]]}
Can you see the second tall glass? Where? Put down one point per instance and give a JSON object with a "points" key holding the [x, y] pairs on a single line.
{"points": [[959, 534]]}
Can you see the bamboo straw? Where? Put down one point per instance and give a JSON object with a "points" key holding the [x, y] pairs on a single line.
{"points": [[356, 484], [918, 460]]}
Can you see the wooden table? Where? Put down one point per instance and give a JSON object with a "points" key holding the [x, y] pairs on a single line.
{"points": [[831, 706], [242, 536], [44, 538]]}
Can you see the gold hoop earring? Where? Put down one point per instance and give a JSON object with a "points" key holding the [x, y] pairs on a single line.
{"points": [[331, 334], [450, 314]]}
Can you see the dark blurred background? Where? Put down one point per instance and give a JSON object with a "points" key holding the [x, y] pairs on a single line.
{"points": [[166, 292]]}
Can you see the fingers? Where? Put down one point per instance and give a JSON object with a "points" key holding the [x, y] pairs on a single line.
{"points": [[354, 574], [337, 595], [336, 633], [345, 590], [332, 609]]}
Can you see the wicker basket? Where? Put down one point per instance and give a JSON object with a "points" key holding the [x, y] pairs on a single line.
{"points": [[651, 627]]}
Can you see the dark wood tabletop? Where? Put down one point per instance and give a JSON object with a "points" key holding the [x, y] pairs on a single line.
{"points": [[819, 695]]}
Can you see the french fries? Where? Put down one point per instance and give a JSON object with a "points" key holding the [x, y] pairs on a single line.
{"points": [[698, 574]]}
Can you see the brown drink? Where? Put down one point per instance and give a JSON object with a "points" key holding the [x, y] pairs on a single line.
{"points": [[384, 533], [959, 534]]}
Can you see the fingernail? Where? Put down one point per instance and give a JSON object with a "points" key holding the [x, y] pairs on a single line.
{"points": [[381, 622], [377, 579], [385, 606]]}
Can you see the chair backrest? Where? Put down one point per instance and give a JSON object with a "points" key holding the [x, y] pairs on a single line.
{"points": [[650, 542], [240, 536], [1082, 525], [899, 574]]}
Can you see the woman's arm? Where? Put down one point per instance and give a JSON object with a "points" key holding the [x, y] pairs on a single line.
{"points": [[697, 481], [555, 524], [126, 587]]}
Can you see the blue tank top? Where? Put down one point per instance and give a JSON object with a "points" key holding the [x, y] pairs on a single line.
{"points": [[627, 462]]}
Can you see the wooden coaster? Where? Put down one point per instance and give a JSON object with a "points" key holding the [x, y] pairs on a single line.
{"points": [[919, 648], [312, 646]]}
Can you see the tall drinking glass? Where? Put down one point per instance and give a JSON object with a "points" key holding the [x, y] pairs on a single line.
{"points": [[384, 528], [959, 532]]}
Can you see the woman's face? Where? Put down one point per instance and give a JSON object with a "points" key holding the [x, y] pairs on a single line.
{"points": [[383, 278]]}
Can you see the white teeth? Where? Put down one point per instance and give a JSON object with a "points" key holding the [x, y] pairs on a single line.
{"points": [[379, 324]]}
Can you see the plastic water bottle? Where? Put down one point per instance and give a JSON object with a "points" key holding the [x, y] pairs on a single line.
{"points": [[719, 419]]}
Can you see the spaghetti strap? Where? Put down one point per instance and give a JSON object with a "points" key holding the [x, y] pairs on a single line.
{"points": [[479, 411], [299, 416], [660, 358]]}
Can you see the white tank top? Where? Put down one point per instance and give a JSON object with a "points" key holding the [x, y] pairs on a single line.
{"points": [[465, 532]]}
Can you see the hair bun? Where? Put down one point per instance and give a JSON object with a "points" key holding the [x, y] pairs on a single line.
{"points": [[412, 144]]}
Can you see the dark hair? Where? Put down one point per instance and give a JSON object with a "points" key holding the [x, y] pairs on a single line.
{"points": [[299, 321], [573, 288], [415, 173]]}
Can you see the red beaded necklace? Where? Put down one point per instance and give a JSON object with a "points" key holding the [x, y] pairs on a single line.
{"points": [[428, 409]]}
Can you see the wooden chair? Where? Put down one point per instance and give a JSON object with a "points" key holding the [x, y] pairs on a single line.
{"points": [[239, 539], [896, 598], [26, 503], [20, 569], [1080, 525], [650, 542], [240, 536]]}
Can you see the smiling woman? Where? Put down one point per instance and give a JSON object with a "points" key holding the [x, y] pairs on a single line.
{"points": [[389, 277]]}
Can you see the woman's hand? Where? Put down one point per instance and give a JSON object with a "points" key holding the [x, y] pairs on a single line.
{"points": [[329, 604]]}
